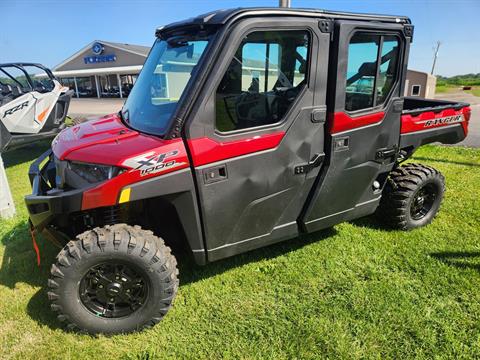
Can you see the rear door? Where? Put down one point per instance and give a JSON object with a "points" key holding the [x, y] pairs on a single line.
{"points": [[259, 125], [365, 104]]}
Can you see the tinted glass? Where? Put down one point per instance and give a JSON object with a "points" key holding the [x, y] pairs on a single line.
{"points": [[361, 71], [388, 68], [264, 78], [161, 83]]}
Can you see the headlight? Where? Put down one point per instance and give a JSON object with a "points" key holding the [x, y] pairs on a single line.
{"points": [[94, 173]]}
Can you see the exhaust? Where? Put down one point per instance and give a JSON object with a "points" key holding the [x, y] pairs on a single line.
{"points": [[284, 3]]}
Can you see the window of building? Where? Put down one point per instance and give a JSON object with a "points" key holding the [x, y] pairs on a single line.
{"points": [[87, 86], [263, 80], [416, 90], [371, 70]]}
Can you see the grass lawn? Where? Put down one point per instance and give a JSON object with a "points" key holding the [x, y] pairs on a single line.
{"points": [[441, 89], [475, 91], [354, 291]]}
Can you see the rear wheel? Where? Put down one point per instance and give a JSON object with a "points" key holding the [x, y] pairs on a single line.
{"points": [[412, 196], [115, 279]]}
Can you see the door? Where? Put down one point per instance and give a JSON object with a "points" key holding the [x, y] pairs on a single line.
{"points": [[257, 138], [365, 105]]}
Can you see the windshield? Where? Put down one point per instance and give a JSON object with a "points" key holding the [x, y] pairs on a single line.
{"points": [[162, 81]]}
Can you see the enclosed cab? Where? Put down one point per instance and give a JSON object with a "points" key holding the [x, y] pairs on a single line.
{"points": [[245, 127]]}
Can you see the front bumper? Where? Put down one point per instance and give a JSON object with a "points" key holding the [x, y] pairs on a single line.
{"points": [[46, 203]]}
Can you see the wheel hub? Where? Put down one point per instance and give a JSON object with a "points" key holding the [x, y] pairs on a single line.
{"points": [[423, 202], [113, 290]]}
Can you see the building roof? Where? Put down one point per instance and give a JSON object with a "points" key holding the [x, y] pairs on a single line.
{"points": [[131, 48], [140, 49]]}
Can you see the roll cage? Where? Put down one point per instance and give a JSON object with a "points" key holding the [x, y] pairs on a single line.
{"points": [[21, 67]]}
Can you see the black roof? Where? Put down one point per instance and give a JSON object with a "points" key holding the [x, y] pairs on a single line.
{"points": [[220, 17]]}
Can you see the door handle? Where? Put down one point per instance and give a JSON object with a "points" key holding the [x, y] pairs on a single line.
{"points": [[316, 160], [319, 115]]}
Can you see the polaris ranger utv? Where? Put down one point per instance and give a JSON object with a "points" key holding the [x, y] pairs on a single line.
{"points": [[245, 127], [32, 107]]}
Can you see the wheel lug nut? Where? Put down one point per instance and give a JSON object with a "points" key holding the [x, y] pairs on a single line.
{"points": [[112, 299], [100, 286]]}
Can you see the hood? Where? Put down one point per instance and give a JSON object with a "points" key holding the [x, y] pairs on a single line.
{"points": [[104, 141]]}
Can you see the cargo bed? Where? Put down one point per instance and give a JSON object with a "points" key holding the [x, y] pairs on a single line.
{"points": [[429, 120]]}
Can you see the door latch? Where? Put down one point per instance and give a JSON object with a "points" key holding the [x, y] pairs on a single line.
{"points": [[214, 174], [317, 160], [386, 153]]}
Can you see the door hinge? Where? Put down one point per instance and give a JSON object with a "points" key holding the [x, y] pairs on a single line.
{"points": [[317, 160], [326, 25]]}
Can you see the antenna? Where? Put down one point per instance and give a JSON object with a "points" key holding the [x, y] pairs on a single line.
{"points": [[435, 56]]}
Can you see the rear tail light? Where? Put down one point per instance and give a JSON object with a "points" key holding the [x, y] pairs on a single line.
{"points": [[467, 112]]}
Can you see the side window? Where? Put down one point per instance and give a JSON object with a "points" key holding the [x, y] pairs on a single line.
{"points": [[263, 80], [361, 70], [370, 77], [388, 68]]}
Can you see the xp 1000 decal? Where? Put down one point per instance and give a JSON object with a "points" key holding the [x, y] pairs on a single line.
{"points": [[154, 162]]}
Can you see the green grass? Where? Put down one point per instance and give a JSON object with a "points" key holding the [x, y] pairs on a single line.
{"points": [[442, 88], [475, 91], [355, 291]]}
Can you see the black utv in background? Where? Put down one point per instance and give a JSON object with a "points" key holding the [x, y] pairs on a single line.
{"points": [[245, 127]]}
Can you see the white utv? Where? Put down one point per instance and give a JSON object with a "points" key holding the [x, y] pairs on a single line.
{"points": [[33, 104]]}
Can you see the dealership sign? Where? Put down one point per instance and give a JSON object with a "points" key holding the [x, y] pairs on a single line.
{"points": [[98, 49]]}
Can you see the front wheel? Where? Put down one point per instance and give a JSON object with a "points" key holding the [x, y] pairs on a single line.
{"points": [[115, 279], [412, 196]]}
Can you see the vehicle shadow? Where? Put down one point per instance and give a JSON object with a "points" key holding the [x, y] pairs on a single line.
{"points": [[371, 222], [19, 265], [190, 272], [29, 153], [460, 259]]}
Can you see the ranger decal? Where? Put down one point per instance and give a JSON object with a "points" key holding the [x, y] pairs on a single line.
{"points": [[443, 121]]}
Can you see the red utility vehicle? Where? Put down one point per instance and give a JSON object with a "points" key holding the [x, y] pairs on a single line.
{"points": [[245, 127]]}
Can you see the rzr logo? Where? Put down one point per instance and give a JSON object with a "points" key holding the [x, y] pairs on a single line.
{"points": [[15, 108], [444, 120], [152, 163]]}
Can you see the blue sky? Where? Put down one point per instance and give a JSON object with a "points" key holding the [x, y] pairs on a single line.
{"points": [[50, 31]]}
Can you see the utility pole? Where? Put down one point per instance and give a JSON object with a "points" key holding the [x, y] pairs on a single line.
{"points": [[7, 207], [435, 56], [284, 3]]}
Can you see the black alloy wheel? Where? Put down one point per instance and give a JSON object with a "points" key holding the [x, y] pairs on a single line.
{"points": [[113, 290], [423, 201], [113, 279], [412, 196]]}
